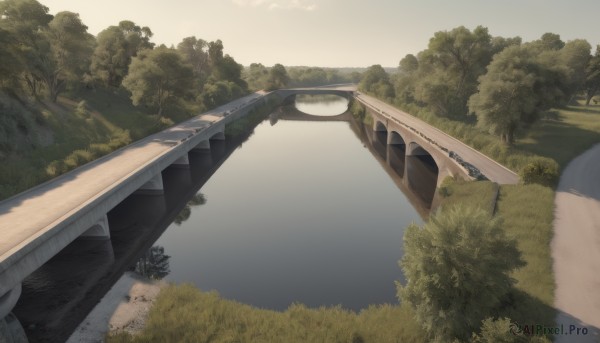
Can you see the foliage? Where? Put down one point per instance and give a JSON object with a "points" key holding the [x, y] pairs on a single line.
{"points": [[497, 331], [70, 50], [184, 314], [376, 81], [457, 269], [592, 76], [314, 76], [157, 77], [449, 68], [514, 92], [116, 45], [278, 77], [540, 170]]}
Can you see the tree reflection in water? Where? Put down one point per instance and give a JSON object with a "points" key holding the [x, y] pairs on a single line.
{"points": [[196, 200], [154, 264]]}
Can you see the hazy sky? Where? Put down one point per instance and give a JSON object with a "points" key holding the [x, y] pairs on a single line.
{"points": [[336, 33]]}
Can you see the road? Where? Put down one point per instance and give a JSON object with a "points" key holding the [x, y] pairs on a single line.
{"points": [[30, 214], [490, 168], [576, 246]]}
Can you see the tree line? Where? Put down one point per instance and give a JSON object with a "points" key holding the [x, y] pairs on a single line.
{"points": [[45, 55], [505, 83]]}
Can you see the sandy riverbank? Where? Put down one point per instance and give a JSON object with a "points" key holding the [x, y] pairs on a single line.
{"points": [[124, 307]]}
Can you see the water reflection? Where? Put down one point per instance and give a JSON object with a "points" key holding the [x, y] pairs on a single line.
{"points": [[154, 264], [58, 296], [197, 200], [321, 105]]}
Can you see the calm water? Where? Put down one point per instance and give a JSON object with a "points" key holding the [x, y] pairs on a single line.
{"points": [[300, 213]]}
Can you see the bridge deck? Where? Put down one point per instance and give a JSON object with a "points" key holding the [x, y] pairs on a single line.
{"points": [[490, 168], [28, 215]]}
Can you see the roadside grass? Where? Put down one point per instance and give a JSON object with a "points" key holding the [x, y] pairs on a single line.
{"points": [[527, 214], [183, 313], [477, 194]]}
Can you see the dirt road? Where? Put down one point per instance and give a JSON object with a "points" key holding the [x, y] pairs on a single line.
{"points": [[576, 247]]}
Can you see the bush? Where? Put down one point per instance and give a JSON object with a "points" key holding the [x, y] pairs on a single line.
{"points": [[540, 170]]}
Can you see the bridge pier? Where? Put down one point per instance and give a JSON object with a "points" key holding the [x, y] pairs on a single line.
{"points": [[100, 230], [154, 186], [204, 145], [11, 330], [219, 136], [183, 161], [9, 300]]}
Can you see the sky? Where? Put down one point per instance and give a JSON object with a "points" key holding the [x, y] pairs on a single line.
{"points": [[336, 33]]}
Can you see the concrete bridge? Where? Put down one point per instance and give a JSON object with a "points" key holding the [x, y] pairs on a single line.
{"points": [[417, 138]]}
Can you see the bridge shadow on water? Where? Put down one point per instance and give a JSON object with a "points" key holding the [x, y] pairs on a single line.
{"points": [[416, 176], [60, 294]]}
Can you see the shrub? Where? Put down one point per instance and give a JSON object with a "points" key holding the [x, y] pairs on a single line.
{"points": [[540, 170]]}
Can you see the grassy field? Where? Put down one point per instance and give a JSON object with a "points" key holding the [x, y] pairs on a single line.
{"points": [[185, 314]]}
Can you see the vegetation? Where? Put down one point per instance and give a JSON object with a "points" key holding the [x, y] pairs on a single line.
{"points": [[457, 269], [68, 97], [482, 83], [185, 314]]}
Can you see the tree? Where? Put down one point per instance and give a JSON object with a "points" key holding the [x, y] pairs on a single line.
{"points": [[26, 21], [157, 77], [377, 82], [450, 67], [116, 46], [575, 57], [195, 53], [278, 77], [514, 91], [70, 52], [111, 57], [256, 76], [592, 76], [457, 268]]}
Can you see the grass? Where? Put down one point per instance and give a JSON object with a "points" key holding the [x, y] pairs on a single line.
{"points": [[481, 194], [185, 314], [527, 213]]}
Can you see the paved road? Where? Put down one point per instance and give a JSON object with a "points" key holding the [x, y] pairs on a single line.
{"points": [[490, 168], [576, 245], [28, 215]]}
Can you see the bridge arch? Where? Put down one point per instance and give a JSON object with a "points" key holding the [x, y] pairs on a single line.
{"points": [[379, 126], [395, 138], [422, 171]]}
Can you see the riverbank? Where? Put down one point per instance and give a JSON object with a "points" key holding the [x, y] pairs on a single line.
{"points": [[123, 309]]}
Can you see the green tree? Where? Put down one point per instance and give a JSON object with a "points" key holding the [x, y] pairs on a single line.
{"points": [[26, 21], [514, 91], [592, 76], [195, 53], [219, 92], [111, 57], [278, 77], [71, 48], [116, 45], [575, 57], [450, 67], [256, 76], [376, 81], [157, 77], [457, 269]]}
